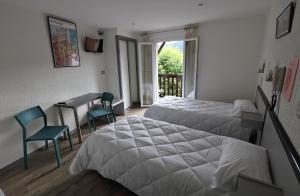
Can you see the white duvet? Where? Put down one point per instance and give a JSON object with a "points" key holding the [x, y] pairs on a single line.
{"points": [[210, 116], [155, 158]]}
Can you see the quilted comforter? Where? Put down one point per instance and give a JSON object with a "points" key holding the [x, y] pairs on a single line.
{"points": [[152, 157], [210, 116]]}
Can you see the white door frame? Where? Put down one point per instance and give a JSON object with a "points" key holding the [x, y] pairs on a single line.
{"points": [[196, 66], [154, 72]]}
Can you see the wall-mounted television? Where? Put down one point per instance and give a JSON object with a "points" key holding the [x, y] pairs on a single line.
{"points": [[93, 44]]}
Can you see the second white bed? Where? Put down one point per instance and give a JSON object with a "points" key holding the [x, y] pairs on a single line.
{"points": [[215, 117]]}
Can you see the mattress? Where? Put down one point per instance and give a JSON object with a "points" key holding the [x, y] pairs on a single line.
{"points": [[195, 105], [152, 157], [210, 116]]}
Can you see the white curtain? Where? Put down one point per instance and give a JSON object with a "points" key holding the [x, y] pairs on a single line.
{"points": [[191, 31], [147, 74], [145, 37], [191, 52]]}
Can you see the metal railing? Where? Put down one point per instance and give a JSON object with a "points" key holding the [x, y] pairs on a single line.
{"points": [[170, 84]]}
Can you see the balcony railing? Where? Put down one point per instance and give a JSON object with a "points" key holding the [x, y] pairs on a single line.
{"points": [[170, 84]]}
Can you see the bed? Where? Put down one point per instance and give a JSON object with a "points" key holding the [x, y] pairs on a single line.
{"points": [[152, 157], [215, 117]]}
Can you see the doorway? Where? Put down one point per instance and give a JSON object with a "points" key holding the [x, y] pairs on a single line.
{"points": [[180, 78], [170, 68]]}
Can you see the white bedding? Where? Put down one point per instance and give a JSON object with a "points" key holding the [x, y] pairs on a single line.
{"points": [[151, 157], [196, 105], [210, 116]]}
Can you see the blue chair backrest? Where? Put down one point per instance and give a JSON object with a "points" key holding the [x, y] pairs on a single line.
{"points": [[107, 97], [29, 115]]}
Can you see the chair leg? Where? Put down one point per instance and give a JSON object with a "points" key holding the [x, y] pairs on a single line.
{"points": [[94, 121], [89, 123], [25, 155], [107, 119], [46, 144], [70, 139], [114, 116], [57, 152]]}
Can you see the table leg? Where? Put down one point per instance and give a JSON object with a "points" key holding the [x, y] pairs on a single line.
{"points": [[62, 121], [89, 106], [77, 125]]}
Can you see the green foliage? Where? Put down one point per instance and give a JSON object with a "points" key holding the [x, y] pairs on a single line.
{"points": [[170, 61]]}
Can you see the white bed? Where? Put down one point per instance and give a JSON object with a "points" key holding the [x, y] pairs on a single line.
{"points": [[152, 157], [215, 117]]}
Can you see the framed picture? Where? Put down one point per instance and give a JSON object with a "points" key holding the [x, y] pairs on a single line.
{"points": [[285, 21], [64, 42], [290, 77]]}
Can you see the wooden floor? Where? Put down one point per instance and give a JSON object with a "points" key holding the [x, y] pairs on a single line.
{"points": [[44, 178]]}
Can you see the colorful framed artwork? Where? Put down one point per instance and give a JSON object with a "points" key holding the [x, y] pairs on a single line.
{"points": [[64, 42], [285, 21], [290, 77]]}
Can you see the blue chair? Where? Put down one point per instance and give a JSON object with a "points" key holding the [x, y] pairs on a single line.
{"points": [[46, 133], [106, 110]]}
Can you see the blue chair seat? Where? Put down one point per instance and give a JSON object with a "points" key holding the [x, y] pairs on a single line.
{"points": [[105, 111], [99, 112], [48, 132]]}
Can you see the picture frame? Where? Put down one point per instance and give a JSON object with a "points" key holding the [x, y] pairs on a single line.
{"points": [[284, 21], [64, 42]]}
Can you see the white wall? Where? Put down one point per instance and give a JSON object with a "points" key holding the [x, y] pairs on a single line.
{"points": [[110, 61], [278, 52], [28, 78], [171, 35], [127, 33], [229, 53]]}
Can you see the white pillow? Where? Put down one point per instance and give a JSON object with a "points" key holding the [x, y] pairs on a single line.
{"points": [[240, 157], [243, 105], [1, 193]]}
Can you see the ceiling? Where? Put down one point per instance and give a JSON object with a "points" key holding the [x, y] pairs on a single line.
{"points": [[147, 15]]}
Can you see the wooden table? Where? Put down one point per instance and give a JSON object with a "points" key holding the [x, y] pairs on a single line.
{"points": [[74, 104]]}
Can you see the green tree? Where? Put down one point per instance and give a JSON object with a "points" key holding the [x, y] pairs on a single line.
{"points": [[170, 61]]}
